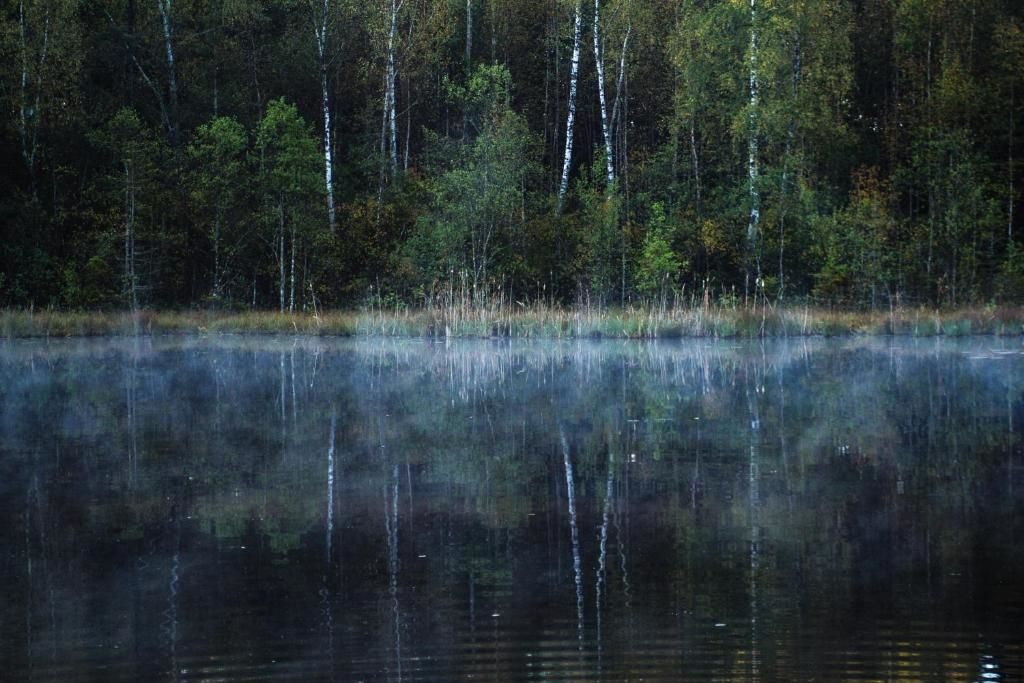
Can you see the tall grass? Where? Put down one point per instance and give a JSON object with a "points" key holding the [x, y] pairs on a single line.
{"points": [[504, 318]]}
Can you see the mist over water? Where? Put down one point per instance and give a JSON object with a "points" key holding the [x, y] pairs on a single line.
{"points": [[228, 508]]}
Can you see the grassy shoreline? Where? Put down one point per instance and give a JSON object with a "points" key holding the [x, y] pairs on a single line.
{"points": [[526, 322]]}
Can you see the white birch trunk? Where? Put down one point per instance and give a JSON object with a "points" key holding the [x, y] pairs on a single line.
{"points": [[695, 160], [165, 118], [389, 97], [619, 81], [469, 61], [129, 237], [216, 257], [291, 295], [469, 35], [28, 120], [605, 129], [24, 109], [280, 253], [383, 147], [753, 226], [563, 186], [321, 47], [172, 80]]}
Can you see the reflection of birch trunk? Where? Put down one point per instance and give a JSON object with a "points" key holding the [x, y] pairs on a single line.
{"points": [[577, 563], [295, 409], [330, 489], [169, 627], [130, 400], [620, 541], [695, 483], [282, 398], [755, 530], [31, 497], [391, 527], [603, 548]]}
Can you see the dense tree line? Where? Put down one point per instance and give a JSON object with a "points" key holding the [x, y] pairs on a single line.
{"points": [[293, 154]]}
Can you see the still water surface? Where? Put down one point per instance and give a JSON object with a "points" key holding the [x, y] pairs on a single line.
{"points": [[232, 508]]}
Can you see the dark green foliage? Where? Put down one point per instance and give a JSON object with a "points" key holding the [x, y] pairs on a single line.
{"points": [[887, 134]]}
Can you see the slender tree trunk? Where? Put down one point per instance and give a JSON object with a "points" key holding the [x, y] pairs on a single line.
{"points": [[695, 161], [255, 76], [408, 124], [291, 297], [556, 128], [131, 286], [563, 186], [383, 147], [785, 182], [390, 95], [1010, 207], [616, 127], [172, 78], [468, 61], [754, 504], [28, 120], [754, 223], [165, 116], [469, 36], [620, 81], [330, 485], [321, 46], [216, 88], [216, 257], [605, 128], [280, 253], [618, 109]]}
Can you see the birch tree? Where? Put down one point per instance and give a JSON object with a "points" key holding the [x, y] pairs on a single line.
{"points": [[390, 131], [321, 12], [754, 222], [164, 7], [469, 37], [570, 121], [605, 126]]}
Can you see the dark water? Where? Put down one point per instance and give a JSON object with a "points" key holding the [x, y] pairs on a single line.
{"points": [[376, 510]]}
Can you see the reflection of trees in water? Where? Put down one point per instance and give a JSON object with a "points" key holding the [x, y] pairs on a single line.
{"points": [[815, 459]]}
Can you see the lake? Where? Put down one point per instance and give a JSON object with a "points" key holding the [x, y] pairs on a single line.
{"points": [[223, 508]]}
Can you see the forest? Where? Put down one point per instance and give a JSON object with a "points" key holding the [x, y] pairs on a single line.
{"points": [[295, 155]]}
